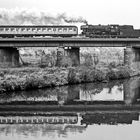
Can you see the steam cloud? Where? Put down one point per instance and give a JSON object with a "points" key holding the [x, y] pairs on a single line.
{"points": [[30, 17]]}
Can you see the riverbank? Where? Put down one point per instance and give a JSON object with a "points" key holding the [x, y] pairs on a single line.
{"points": [[17, 79]]}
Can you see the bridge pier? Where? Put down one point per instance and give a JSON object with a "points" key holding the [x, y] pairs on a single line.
{"points": [[9, 57], [131, 90], [132, 58], [68, 56]]}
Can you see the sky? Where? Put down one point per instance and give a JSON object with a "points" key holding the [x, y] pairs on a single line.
{"points": [[94, 11]]}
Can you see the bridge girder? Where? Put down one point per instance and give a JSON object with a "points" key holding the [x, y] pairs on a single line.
{"points": [[69, 42]]}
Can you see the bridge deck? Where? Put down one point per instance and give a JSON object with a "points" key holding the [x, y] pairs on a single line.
{"points": [[69, 42], [70, 39]]}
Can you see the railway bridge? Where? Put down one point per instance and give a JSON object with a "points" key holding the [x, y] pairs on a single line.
{"points": [[9, 54]]}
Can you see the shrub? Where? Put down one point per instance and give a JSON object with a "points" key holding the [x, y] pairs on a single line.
{"points": [[66, 62]]}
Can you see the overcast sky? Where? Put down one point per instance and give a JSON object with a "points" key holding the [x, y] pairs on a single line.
{"points": [[94, 11]]}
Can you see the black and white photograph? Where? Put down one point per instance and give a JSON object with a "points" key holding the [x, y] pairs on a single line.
{"points": [[69, 70]]}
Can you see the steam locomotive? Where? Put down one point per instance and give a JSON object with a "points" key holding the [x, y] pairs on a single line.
{"points": [[92, 31], [106, 31]]}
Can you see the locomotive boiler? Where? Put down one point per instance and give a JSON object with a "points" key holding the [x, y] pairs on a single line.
{"points": [[110, 31]]}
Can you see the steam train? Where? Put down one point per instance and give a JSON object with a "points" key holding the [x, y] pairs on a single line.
{"points": [[105, 31], [91, 31]]}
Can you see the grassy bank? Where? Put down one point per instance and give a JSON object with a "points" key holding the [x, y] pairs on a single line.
{"points": [[34, 78]]}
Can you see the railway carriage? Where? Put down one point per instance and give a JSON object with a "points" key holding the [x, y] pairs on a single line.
{"points": [[35, 31]]}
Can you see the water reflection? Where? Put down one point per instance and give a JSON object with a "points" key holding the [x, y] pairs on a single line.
{"points": [[73, 94], [124, 92], [118, 124], [119, 92], [65, 128], [48, 125], [132, 90], [114, 93]]}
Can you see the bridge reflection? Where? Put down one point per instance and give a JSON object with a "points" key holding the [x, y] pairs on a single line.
{"points": [[114, 104]]}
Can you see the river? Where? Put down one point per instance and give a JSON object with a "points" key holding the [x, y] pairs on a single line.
{"points": [[102, 124]]}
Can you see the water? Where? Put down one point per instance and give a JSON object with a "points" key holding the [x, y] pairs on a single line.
{"points": [[74, 94], [108, 124]]}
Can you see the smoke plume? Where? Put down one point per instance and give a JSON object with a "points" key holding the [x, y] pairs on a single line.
{"points": [[32, 17]]}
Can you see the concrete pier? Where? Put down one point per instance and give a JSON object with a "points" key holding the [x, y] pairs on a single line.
{"points": [[131, 91], [68, 56], [73, 54], [9, 57], [132, 58]]}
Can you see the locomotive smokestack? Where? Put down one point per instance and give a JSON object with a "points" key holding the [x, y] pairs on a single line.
{"points": [[86, 22]]}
